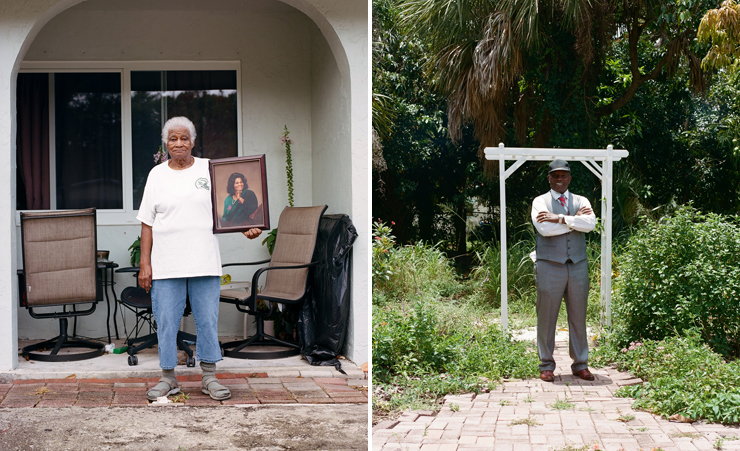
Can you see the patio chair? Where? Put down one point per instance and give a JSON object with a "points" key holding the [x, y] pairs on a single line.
{"points": [[137, 300], [286, 282], [59, 273]]}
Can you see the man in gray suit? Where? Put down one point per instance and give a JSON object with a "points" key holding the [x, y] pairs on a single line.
{"points": [[561, 269]]}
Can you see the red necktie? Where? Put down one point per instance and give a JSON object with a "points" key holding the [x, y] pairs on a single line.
{"points": [[562, 200]]}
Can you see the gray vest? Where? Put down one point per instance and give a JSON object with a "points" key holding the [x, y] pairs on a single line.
{"points": [[561, 248]]}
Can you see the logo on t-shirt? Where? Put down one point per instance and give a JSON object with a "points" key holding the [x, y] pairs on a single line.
{"points": [[202, 183]]}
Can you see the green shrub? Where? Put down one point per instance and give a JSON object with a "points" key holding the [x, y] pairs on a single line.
{"points": [[408, 344], [412, 344], [416, 270], [680, 273], [491, 353], [383, 243], [683, 376]]}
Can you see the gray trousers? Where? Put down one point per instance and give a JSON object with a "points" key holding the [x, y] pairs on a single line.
{"points": [[555, 281]]}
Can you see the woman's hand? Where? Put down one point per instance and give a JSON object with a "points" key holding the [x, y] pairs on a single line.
{"points": [[252, 233], [145, 262], [238, 197], [145, 276]]}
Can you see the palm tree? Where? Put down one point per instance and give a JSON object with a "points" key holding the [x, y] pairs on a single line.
{"points": [[497, 60]]}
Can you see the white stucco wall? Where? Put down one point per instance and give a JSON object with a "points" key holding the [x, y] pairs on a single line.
{"points": [[345, 32], [275, 46]]}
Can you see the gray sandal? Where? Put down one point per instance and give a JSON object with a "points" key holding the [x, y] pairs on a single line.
{"points": [[212, 388], [163, 388]]}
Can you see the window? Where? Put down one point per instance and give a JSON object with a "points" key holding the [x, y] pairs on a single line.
{"points": [[208, 98], [87, 112], [80, 144]]}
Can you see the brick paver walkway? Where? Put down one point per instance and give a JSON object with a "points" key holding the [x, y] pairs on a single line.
{"points": [[519, 416], [252, 388]]}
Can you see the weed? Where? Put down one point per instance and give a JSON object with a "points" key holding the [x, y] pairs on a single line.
{"points": [[587, 409], [180, 397], [42, 391], [721, 441], [682, 375], [504, 402], [643, 429], [570, 447], [562, 404], [684, 434], [529, 421], [625, 417], [528, 399], [454, 407]]}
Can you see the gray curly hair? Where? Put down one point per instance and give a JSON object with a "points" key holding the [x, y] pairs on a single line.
{"points": [[176, 122]]}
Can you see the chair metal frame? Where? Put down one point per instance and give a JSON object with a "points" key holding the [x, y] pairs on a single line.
{"points": [[248, 305]]}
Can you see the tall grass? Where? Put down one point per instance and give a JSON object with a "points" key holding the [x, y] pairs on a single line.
{"points": [[417, 270], [520, 273]]}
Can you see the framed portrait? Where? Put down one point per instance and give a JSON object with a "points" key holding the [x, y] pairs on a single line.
{"points": [[239, 194]]}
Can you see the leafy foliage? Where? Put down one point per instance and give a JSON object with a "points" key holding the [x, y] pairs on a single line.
{"points": [[287, 142], [135, 250], [720, 28], [420, 171], [411, 346], [499, 62], [680, 273], [383, 242], [410, 272], [682, 147], [683, 376]]}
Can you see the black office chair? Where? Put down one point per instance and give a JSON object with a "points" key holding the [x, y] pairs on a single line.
{"points": [[139, 301]]}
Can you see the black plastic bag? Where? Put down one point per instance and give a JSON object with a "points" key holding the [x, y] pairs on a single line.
{"points": [[323, 318]]}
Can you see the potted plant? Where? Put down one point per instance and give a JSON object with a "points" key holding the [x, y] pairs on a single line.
{"points": [[135, 250]]}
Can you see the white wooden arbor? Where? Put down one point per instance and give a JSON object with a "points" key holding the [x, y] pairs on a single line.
{"points": [[604, 172]]}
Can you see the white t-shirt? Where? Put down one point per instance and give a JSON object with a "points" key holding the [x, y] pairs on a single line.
{"points": [[177, 205]]}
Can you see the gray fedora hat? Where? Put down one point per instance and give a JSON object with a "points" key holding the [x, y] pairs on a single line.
{"points": [[559, 165]]}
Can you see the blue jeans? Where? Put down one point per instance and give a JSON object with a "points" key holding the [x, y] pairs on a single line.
{"points": [[168, 305]]}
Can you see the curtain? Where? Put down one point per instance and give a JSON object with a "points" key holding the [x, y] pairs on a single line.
{"points": [[32, 141]]}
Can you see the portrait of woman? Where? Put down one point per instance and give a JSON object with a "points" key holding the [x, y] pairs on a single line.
{"points": [[239, 194], [240, 206]]}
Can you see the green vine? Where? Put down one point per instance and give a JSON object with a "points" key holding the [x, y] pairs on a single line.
{"points": [[285, 138]]}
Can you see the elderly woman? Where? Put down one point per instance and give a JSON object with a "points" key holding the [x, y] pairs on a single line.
{"points": [[180, 257], [241, 203]]}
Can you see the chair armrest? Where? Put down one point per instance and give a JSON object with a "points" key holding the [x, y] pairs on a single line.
{"points": [[251, 302], [247, 263]]}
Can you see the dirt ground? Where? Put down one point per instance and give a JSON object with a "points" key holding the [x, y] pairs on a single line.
{"points": [[264, 427]]}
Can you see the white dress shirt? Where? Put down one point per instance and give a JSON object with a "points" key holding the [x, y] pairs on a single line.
{"points": [[581, 223]]}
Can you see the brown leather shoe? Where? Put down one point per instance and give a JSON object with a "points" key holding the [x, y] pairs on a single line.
{"points": [[584, 374], [547, 376]]}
